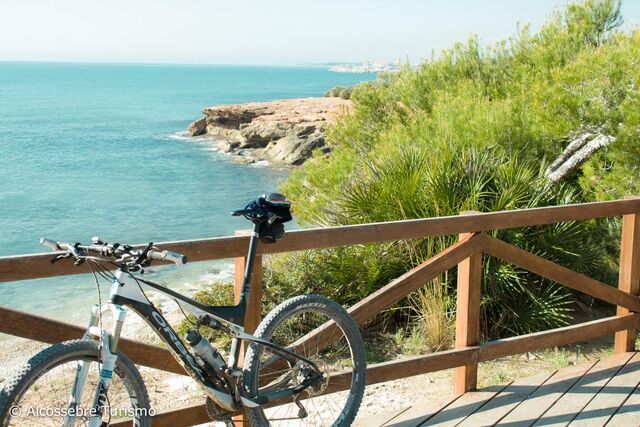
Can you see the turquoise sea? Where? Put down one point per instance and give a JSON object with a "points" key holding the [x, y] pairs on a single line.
{"points": [[100, 150]]}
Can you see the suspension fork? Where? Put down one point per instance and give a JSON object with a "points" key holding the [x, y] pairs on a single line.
{"points": [[100, 401], [81, 375], [108, 358]]}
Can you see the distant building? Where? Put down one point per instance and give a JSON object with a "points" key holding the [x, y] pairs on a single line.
{"points": [[366, 67]]}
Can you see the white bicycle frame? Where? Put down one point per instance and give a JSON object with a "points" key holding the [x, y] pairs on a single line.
{"points": [[125, 286]]}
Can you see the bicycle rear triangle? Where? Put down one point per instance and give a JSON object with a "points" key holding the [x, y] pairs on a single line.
{"points": [[288, 367]]}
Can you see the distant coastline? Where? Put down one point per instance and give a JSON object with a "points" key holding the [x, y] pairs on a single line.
{"points": [[366, 67]]}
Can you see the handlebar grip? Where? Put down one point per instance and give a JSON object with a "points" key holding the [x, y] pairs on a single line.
{"points": [[176, 258], [51, 244]]}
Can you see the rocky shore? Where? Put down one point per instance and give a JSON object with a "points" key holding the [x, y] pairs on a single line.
{"points": [[282, 132]]}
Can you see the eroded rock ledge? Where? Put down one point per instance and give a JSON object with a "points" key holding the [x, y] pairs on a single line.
{"points": [[285, 132]]}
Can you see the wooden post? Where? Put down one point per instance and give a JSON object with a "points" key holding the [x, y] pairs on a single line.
{"points": [[629, 276], [254, 304], [468, 317]]}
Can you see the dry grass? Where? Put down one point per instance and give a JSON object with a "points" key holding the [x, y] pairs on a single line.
{"points": [[433, 327]]}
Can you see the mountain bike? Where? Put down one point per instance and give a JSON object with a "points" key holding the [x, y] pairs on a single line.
{"points": [[304, 364]]}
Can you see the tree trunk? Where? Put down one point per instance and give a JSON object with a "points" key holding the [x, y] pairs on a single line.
{"points": [[576, 153]]}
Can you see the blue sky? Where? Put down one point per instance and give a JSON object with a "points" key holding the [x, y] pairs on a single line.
{"points": [[256, 32]]}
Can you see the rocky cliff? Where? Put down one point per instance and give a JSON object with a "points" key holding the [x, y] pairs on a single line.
{"points": [[285, 132]]}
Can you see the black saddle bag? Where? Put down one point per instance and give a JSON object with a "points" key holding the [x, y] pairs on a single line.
{"points": [[274, 231], [270, 233]]}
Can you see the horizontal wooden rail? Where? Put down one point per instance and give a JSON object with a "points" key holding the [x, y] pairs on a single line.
{"points": [[186, 415], [51, 331], [423, 364], [386, 371], [557, 337], [35, 266], [376, 373]]}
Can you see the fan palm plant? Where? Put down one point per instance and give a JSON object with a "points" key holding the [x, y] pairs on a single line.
{"points": [[418, 180]]}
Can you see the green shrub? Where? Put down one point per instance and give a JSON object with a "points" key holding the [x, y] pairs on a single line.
{"points": [[473, 128], [343, 274], [340, 92], [529, 94], [409, 178]]}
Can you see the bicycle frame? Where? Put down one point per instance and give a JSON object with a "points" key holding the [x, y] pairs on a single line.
{"points": [[127, 290]]}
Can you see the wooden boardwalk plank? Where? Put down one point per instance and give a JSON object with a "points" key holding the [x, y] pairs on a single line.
{"points": [[379, 419], [527, 412], [464, 406], [504, 402], [565, 409], [628, 414], [421, 411], [611, 396], [586, 395]]}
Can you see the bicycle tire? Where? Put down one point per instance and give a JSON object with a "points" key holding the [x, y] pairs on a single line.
{"points": [[15, 387], [256, 416]]}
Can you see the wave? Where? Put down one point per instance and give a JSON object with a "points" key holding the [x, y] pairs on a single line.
{"points": [[205, 142], [260, 164], [182, 135], [210, 144]]}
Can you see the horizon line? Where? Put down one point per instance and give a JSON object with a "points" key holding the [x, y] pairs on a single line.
{"points": [[236, 64]]}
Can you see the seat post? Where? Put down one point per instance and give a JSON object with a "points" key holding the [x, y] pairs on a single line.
{"points": [[236, 351], [246, 284]]}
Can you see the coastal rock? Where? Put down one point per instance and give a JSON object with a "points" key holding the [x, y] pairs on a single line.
{"points": [[285, 132], [296, 147], [199, 127], [261, 133]]}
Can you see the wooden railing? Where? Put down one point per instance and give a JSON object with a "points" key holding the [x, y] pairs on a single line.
{"points": [[466, 254]]}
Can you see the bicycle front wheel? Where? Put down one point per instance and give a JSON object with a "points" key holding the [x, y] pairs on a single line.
{"points": [[38, 393], [322, 331]]}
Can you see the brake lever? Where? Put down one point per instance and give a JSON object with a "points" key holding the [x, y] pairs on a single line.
{"points": [[59, 257], [73, 252], [76, 253], [142, 259]]}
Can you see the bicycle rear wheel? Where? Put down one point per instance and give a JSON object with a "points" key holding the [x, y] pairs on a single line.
{"points": [[338, 353]]}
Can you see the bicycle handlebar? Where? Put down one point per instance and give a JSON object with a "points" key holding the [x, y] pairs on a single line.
{"points": [[50, 244], [108, 249], [168, 256], [241, 212]]}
